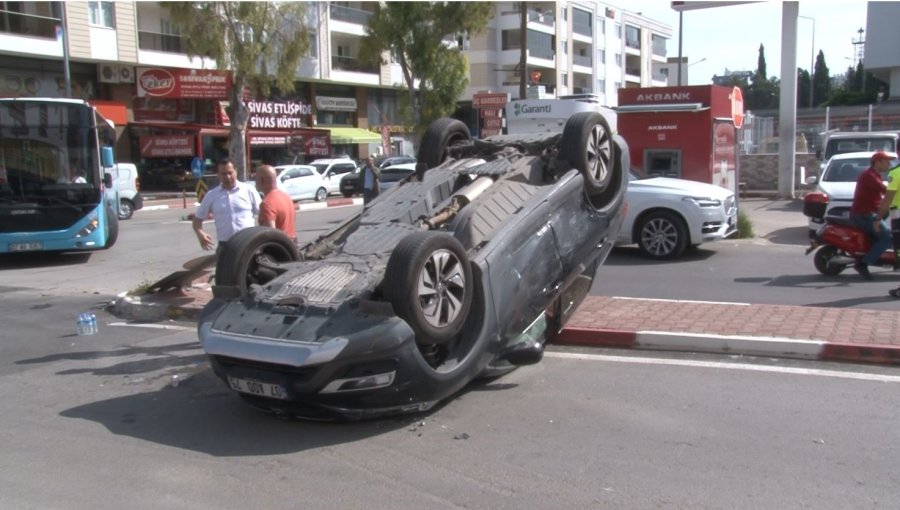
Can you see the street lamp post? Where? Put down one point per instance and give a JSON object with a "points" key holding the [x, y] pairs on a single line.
{"points": [[812, 58]]}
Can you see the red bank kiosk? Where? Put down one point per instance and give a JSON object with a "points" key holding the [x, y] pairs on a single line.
{"points": [[684, 132]]}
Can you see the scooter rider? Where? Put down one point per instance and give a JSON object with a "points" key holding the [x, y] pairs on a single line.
{"points": [[864, 212]]}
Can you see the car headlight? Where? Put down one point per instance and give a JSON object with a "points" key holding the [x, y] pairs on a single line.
{"points": [[703, 201], [89, 228]]}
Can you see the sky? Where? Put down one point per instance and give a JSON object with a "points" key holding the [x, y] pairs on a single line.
{"points": [[729, 37]]}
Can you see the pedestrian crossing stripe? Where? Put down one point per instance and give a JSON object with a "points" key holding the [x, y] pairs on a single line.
{"points": [[201, 190]]}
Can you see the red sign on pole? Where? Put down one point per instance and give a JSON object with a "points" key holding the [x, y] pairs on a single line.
{"points": [[489, 112], [493, 123], [489, 132], [490, 100]]}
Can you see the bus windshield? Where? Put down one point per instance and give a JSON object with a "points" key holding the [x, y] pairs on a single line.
{"points": [[49, 163]]}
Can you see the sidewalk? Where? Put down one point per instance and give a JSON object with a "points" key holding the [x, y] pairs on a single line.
{"points": [[804, 332], [189, 203]]}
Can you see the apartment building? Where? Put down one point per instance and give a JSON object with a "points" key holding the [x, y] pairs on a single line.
{"points": [[572, 48], [881, 57], [112, 45]]}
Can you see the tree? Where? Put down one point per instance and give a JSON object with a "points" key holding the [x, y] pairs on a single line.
{"points": [[762, 93], [761, 64], [804, 84], [434, 71], [821, 80], [260, 42]]}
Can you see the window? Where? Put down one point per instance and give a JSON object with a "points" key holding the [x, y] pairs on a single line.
{"points": [[102, 14], [618, 30], [565, 47], [619, 59], [601, 25], [565, 79], [601, 56]]}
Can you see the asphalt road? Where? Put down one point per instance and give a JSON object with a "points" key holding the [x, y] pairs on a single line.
{"points": [[133, 417]]}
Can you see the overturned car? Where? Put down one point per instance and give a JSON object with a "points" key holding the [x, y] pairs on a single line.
{"points": [[463, 270]]}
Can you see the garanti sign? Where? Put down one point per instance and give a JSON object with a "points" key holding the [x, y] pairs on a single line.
{"points": [[182, 83]]}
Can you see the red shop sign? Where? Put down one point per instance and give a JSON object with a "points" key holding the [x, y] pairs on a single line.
{"points": [[172, 146], [182, 83]]}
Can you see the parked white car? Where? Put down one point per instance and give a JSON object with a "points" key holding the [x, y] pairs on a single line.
{"points": [[838, 183], [667, 215], [125, 180], [333, 170], [301, 182]]}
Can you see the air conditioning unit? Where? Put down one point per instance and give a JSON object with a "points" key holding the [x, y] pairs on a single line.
{"points": [[126, 74], [108, 73]]}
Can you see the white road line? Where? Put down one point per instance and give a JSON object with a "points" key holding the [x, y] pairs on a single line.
{"points": [[681, 301], [728, 366], [171, 327]]}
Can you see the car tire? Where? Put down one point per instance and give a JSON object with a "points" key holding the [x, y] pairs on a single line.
{"points": [[823, 256], [587, 144], [347, 194], [112, 228], [321, 194], [126, 209], [662, 235], [428, 280], [246, 258], [441, 135]]}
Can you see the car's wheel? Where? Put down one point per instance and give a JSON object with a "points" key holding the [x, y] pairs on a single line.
{"points": [[662, 235], [347, 194], [587, 144], [112, 228], [441, 135], [822, 258], [126, 209], [321, 194], [252, 255], [428, 280]]}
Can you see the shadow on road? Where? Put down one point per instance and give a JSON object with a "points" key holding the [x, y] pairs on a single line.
{"points": [[818, 281], [632, 256], [793, 235], [29, 260]]}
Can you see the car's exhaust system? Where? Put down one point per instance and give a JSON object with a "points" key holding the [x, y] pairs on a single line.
{"points": [[460, 199]]}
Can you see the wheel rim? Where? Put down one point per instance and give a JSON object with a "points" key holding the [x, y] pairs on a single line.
{"points": [[659, 237], [257, 272], [124, 209], [320, 195], [598, 153], [441, 288]]}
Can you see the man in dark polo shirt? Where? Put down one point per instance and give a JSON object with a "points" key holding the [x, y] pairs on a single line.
{"points": [[867, 199]]}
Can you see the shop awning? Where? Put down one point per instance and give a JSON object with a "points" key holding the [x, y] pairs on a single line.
{"points": [[344, 135]]}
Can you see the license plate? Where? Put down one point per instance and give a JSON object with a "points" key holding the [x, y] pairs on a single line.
{"points": [[257, 388], [34, 246]]}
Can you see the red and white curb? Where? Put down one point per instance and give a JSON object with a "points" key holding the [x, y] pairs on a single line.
{"points": [[820, 350]]}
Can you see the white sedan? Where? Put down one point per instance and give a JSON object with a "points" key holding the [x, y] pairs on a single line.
{"points": [[664, 215], [301, 182]]}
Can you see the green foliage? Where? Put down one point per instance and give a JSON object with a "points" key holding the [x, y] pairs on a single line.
{"points": [[860, 87], [803, 88], [260, 42], [414, 33], [821, 80], [744, 226]]}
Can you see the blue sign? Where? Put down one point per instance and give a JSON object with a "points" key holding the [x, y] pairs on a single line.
{"points": [[197, 167]]}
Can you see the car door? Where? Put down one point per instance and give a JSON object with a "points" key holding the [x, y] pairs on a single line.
{"points": [[334, 175], [308, 181], [289, 182]]}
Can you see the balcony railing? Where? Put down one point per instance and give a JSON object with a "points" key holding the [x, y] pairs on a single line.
{"points": [[633, 71], [582, 29], [28, 24], [633, 43], [544, 18], [350, 15], [352, 64], [155, 41], [582, 60]]}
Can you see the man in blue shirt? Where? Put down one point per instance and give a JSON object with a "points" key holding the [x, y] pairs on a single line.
{"points": [[371, 177]]}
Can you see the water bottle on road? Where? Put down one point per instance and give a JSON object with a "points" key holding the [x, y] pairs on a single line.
{"points": [[94, 328], [81, 324]]}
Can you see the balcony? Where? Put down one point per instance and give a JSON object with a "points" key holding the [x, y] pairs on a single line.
{"points": [[582, 29], [350, 15], [632, 43], [582, 60], [545, 53], [543, 18], [352, 64], [28, 24], [155, 41]]}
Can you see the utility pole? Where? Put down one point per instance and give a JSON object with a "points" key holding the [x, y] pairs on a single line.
{"points": [[523, 50], [64, 34]]}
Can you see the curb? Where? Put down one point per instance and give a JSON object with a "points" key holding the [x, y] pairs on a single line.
{"points": [[819, 350], [337, 202]]}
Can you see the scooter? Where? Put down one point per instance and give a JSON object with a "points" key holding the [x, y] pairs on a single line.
{"points": [[841, 244]]}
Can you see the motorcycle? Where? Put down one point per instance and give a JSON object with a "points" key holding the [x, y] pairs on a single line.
{"points": [[838, 244]]}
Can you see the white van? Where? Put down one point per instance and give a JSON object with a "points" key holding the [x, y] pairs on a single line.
{"points": [[125, 179]]}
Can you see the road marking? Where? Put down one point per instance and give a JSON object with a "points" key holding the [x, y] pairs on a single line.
{"points": [[724, 365], [152, 326], [681, 301]]}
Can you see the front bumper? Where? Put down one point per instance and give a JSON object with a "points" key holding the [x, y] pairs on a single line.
{"points": [[310, 373], [717, 224]]}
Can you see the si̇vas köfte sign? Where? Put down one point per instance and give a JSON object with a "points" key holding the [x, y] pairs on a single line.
{"points": [[272, 115]]}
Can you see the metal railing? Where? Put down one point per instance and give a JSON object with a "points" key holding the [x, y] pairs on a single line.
{"points": [[545, 53], [160, 42], [633, 43], [544, 18], [28, 24], [350, 15], [352, 64]]}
